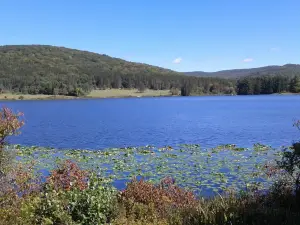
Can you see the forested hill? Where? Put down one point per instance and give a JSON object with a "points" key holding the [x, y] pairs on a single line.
{"points": [[285, 70], [39, 69]]}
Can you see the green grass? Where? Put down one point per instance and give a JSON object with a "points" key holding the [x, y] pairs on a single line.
{"points": [[12, 96]]}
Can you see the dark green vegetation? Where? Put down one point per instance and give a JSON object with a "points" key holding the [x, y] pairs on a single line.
{"points": [[285, 70], [51, 70], [264, 80], [76, 185], [254, 85]]}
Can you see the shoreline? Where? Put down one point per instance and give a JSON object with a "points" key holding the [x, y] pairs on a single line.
{"points": [[97, 94], [51, 98], [107, 95], [94, 94]]}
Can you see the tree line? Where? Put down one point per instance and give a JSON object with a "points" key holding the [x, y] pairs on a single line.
{"points": [[61, 71], [254, 85], [184, 84], [38, 69]]}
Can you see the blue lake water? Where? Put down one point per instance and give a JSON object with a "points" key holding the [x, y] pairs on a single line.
{"points": [[208, 121]]}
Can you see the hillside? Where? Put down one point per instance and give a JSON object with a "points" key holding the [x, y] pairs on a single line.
{"points": [[39, 69], [285, 70]]}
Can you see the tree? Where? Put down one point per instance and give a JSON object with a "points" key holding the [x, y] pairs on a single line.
{"points": [[186, 89], [10, 123], [117, 82], [78, 92], [257, 87], [295, 85], [245, 86], [290, 162], [55, 91], [67, 69], [141, 87]]}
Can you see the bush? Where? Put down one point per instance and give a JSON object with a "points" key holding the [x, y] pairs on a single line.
{"points": [[94, 205], [148, 202], [68, 176], [290, 163], [174, 91], [19, 187], [145, 203], [70, 196], [162, 195], [10, 124]]}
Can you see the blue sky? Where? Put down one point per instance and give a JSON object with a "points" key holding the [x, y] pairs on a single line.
{"points": [[206, 35]]}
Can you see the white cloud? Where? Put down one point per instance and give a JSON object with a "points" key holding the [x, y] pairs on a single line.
{"points": [[177, 60], [248, 60]]}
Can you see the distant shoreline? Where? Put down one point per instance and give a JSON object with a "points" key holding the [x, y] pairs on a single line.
{"points": [[95, 94], [104, 94]]}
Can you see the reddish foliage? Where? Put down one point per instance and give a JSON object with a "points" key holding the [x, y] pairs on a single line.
{"points": [[163, 195], [271, 170], [25, 182], [18, 184], [10, 123], [68, 176]]}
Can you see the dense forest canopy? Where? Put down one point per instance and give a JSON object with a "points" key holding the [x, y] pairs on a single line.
{"points": [[38, 69], [263, 80], [288, 69], [268, 84]]}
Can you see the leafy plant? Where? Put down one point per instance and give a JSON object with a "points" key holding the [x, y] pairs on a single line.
{"points": [[290, 162], [11, 176], [10, 124], [71, 195], [94, 205], [163, 197], [68, 176]]}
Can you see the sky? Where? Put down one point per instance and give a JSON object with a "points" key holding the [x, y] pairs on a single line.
{"points": [[183, 35]]}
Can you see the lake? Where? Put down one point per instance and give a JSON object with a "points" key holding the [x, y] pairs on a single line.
{"points": [[208, 121]]}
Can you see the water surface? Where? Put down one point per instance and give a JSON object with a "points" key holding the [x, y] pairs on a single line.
{"points": [[209, 121]]}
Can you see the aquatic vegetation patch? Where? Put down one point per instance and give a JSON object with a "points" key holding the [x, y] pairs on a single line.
{"points": [[204, 171]]}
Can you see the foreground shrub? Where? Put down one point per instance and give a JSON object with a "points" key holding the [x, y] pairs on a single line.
{"points": [[162, 195], [145, 201], [10, 123], [94, 205], [70, 196], [68, 176], [20, 187]]}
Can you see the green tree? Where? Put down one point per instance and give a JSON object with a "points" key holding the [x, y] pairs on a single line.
{"points": [[295, 85], [245, 86], [290, 162], [141, 87], [186, 89]]}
